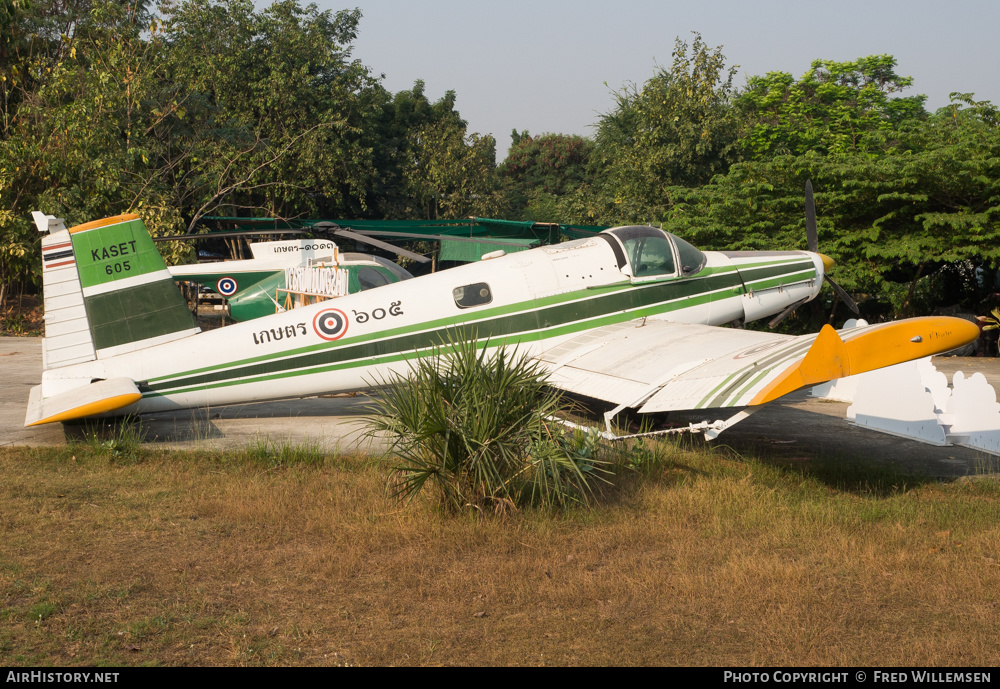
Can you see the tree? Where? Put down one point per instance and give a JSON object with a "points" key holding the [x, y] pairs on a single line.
{"points": [[834, 108], [400, 193], [452, 175], [77, 73], [213, 107], [678, 130], [887, 221], [430, 166], [35, 36], [540, 170], [276, 117]]}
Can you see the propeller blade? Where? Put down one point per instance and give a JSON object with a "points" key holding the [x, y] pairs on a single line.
{"points": [[382, 245], [773, 323], [812, 237], [844, 296]]}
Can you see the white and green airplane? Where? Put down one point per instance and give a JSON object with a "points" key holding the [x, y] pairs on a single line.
{"points": [[630, 316]]}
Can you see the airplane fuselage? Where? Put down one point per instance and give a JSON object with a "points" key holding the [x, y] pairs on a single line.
{"points": [[534, 299]]}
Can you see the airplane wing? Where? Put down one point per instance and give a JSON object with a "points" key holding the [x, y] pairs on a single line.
{"points": [[659, 366]]}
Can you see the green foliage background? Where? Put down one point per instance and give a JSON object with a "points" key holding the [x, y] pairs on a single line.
{"points": [[198, 107]]}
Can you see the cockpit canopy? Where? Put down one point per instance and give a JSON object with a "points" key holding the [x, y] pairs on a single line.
{"points": [[650, 253]]}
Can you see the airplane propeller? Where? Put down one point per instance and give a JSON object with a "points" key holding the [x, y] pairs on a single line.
{"points": [[812, 240]]}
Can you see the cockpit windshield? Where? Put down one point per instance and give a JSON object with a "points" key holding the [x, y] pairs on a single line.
{"points": [[650, 252], [692, 260], [647, 249]]}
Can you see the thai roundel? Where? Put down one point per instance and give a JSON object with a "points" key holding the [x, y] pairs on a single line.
{"points": [[227, 286], [330, 324]]}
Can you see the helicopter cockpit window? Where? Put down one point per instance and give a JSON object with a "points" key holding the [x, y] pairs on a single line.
{"points": [[472, 295], [369, 278]]}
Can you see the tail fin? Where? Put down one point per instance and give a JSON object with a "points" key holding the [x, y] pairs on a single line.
{"points": [[107, 292]]}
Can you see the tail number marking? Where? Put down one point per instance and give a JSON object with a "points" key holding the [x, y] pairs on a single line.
{"points": [[114, 251], [113, 268], [106, 253], [378, 314]]}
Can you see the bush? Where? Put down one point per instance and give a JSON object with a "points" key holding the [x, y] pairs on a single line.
{"points": [[478, 424]]}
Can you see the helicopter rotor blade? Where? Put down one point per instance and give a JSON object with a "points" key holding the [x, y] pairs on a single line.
{"points": [[213, 235], [381, 245], [439, 237]]}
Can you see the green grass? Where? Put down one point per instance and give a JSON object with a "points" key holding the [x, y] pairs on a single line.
{"points": [[269, 453], [115, 440], [40, 611]]}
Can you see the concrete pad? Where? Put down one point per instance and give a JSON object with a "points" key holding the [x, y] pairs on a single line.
{"points": [[801, 428], [21, 370], [332, 423]]}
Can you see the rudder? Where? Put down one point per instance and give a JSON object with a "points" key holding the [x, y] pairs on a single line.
{"points": [[110, 295]]}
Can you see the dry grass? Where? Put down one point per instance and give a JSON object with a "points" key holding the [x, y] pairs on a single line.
{"points": [[177, 559]]}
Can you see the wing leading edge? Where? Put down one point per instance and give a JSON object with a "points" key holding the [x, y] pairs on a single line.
{"points": [[657, 366]]}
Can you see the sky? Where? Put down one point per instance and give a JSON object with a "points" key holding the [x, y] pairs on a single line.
{"points": [[554, 65]]}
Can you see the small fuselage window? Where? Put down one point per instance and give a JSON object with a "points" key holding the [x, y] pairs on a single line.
{"points": [[472, 295]]}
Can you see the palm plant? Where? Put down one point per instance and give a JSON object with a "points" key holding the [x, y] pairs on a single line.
{"points": [[478, 424]]}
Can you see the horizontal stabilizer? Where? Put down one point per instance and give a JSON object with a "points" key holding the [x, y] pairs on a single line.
{"points": [[99, 397]]}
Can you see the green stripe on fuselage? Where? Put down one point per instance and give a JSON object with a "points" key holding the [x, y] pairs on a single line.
{"points": [[523, 321], [794, 270]]}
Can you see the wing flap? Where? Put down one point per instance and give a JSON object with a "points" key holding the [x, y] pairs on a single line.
{"points": [[625, 364]]}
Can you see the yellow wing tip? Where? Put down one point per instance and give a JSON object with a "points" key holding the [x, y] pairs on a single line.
{"points": [[104, 222], [869, 349]]}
